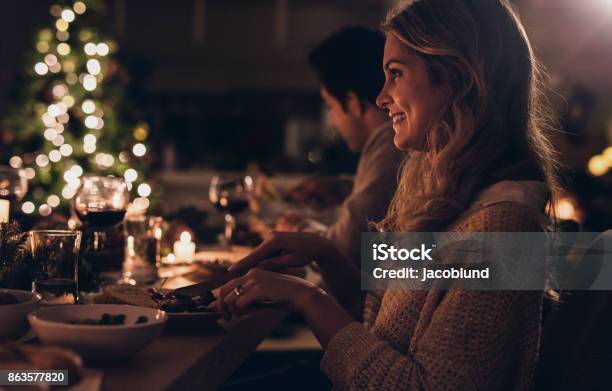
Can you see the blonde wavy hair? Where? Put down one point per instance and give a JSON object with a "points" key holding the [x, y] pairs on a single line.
{"points": [[495, 123]]}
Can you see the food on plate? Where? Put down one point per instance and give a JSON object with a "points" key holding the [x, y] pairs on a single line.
{"points": [[7, 298], [126, 294], [108, 320], [167, 301], [174, 303]]}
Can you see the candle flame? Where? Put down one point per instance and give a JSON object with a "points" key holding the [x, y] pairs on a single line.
{"points": [[185, 237]]}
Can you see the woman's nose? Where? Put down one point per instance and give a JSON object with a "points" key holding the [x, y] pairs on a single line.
{"points": [[383, 99]]}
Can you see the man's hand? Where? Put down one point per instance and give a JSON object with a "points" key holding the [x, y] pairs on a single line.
{"points": [[291, 221], [320, 193]]}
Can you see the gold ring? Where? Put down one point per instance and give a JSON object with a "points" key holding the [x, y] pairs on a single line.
{"points": [[238, 291]]}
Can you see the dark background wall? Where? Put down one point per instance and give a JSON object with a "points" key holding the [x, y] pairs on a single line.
{"points": [[220, 75]]}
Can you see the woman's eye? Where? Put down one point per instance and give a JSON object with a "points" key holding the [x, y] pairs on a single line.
{"points": [[394, 73]]}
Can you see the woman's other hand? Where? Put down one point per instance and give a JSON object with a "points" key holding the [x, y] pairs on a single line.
{"points": [[288, 249]]}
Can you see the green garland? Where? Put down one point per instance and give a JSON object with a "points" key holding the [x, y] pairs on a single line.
{"points": [[16, 269]]}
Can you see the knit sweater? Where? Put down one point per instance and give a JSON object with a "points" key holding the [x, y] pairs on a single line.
{"points": [[445, 340]]}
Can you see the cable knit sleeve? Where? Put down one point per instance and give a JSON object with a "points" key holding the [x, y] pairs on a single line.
{"points": [[470, 344], [463, 340]]}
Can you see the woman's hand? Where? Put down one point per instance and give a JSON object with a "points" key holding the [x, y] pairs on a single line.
{"points": [[324, 315], [238, 295], [287, 249]]}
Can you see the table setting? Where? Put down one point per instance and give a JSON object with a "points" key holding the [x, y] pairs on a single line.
{"points": [[160, 296]]}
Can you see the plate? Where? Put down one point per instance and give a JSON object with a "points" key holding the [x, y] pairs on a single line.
{"points": [[187, 320]]}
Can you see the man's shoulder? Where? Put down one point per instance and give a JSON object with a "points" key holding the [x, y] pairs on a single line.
{"points": [[381, 146]]}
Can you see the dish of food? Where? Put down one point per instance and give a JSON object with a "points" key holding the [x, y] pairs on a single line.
{"points": [[182, 310], [161, 299], [98, 331]]}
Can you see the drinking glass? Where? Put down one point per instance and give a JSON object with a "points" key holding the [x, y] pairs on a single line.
{"points": [[142, 249], [230, 195], [56, 258], [100, 203]]}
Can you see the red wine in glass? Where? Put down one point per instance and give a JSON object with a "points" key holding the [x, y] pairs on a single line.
{"points": [[100, 202], [101, 219], [232, 205], [231, 196]]}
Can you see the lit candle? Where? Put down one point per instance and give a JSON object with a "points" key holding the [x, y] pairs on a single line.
{"points": [[4, 211], [184, 249], [130, 247]]}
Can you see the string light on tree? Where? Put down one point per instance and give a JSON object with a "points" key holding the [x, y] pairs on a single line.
{"points": [[102, 49], [93, 66], [66, 150], [53, 201], [28, 207], [41, 68], [30, 173], [16, 162], [139, 149], [90, 49], [73, 116], [79, 7], [130, 175], [68, 15], [144, 190]]}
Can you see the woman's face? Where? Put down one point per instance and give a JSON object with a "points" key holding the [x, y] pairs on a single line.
{"points": [[413, 103]]}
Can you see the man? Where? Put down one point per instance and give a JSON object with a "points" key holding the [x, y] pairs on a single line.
{"points": [[349, 67]]}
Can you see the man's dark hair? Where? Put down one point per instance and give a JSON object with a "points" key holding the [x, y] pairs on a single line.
{"points": [[351, 60]]}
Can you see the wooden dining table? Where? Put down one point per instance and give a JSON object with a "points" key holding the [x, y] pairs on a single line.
{"points": [[192, 359], [186, 356], [201, 357]]}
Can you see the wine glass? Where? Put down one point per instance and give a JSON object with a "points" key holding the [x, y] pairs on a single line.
{"points": [[100, 203], [13, 187], [230, 195]]}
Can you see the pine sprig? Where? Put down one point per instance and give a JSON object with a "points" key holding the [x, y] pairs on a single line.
{"points": [[16, 268]]}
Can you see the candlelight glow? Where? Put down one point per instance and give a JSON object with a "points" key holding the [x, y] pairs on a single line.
{"points": [[185, 237], [598, 165]]}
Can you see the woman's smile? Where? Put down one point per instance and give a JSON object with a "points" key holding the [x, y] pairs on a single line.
{"points": [[397, 118]]}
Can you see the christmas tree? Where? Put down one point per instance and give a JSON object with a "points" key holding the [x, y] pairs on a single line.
{"points": [[71, 117]]}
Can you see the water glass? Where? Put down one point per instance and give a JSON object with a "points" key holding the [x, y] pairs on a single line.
{"points": [[142, 249], [56, 258]]}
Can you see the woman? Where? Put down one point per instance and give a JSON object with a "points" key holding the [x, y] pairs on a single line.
{"points": [[463, 89]]}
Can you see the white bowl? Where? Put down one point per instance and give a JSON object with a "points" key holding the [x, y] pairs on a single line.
{"points": [[14, 317], [53, 326]]}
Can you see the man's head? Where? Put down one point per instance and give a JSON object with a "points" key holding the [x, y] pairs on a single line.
{"points": [[348, 64]]}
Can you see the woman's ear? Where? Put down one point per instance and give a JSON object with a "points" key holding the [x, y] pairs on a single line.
{"points": [[354, 105]]}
